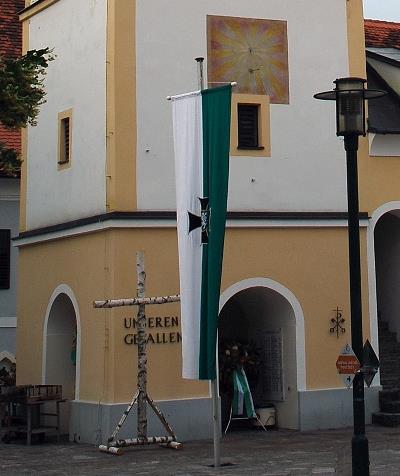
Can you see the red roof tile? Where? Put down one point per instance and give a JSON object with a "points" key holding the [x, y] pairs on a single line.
{"points": [[11, 138], [10, 28], [382, 34]]}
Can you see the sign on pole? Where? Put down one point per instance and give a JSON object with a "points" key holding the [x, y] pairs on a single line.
{"points": [[347, 365]]}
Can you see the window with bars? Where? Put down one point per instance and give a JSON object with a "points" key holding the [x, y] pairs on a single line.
{"points": [[64, 138], [5, 247]]}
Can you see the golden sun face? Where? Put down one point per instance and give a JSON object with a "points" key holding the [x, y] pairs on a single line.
{"points": [[252, 52]]}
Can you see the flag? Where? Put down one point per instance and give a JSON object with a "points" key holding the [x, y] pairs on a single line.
{"points": [[242, 403], [201, 123]]}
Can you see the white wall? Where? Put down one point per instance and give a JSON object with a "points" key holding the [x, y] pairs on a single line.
{"points": [[384, 145], [307, 167], [76, 79], [388, 72]]}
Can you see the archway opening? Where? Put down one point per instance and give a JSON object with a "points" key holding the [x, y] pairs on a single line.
{"points": [[387, 266], [60, 351], [262, 321]]}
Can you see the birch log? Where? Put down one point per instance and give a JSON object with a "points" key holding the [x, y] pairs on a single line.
{"points": [[142, 354], [136, 301]]}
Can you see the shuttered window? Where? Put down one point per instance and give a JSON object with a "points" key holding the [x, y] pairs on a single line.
{"points": [[64, 139], [248, 130], [5, 243]]}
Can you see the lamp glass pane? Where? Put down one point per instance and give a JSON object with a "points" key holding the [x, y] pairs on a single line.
{"points": [[350, 112]]}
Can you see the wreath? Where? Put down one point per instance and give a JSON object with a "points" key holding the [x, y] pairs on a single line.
{"points": [[234, 355]]}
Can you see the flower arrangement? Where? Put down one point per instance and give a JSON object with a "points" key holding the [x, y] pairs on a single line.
{"points": [[234, 355], [7, 377]]}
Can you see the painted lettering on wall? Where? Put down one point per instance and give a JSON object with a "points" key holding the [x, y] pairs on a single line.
{"points": [[162, 333]]}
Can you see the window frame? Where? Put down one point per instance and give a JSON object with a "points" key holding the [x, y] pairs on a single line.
{"points": [[64, 156], [264, 146]]}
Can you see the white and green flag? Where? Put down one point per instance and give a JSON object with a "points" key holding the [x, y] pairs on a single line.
{"points": [[201, 138], [242, 402]]}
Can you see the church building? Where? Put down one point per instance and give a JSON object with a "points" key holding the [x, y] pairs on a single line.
{"points": [[98, 185]]}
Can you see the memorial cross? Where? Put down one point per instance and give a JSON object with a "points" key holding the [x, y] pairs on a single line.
{"points": [[141, 396]]}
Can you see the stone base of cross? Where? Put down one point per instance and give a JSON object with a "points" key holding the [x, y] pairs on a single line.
{"points": [[141, 397]]}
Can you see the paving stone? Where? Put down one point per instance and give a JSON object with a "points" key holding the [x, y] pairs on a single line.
{"points": [[250, 453]]}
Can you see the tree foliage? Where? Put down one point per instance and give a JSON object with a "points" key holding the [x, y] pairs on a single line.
{"points": [[21, 94]]}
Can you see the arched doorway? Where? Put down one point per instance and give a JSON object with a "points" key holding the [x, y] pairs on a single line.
{"points": [[262, 318], [387, 269], [61, 347]]}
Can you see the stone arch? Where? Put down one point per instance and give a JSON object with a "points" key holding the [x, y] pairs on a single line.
{"points": [[298, 313], [62, 318], [264, 313]]}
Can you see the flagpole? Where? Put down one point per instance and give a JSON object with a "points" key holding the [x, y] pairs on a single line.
{"points": [[216, 423], [213, 383]]}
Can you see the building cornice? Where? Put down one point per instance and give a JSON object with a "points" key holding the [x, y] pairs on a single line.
{"points": [[35, 8], [167, 219]]}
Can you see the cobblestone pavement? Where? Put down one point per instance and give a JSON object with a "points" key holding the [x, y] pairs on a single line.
{"points": [[244, 453]]}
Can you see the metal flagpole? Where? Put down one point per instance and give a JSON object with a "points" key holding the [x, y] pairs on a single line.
{"points": [[213, 383]]}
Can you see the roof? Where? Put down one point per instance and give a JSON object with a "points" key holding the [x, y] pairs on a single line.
{"points": [[383, 113], [382, 34], [10, 28], [389, 53]]}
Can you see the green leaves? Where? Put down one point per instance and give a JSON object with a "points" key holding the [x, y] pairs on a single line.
{"points": [[21, 94], [21, 87], [10, 162]]}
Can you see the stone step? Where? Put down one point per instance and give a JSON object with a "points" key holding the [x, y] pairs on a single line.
{"points": [[391, 406], [386, 419], [387, 335], [389, 395], [389, 344], [391, 368], [383, 325], [389, 384]]}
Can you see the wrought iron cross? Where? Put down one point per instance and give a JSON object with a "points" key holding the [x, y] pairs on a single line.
{"points": [[202, 221]]}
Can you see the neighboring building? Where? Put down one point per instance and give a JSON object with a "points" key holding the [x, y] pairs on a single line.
{"points": [[10, 47], [98, 185], [383, 72]]}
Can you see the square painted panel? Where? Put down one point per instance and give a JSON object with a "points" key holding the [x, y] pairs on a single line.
{"points": [[253, 52]]}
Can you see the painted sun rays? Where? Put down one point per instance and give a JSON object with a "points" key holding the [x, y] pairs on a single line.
{"points": [[252, 52]]}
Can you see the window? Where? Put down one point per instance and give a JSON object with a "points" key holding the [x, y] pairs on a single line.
{"points": [[64, 138], [5, 243], [250, 134], [248, 126]]}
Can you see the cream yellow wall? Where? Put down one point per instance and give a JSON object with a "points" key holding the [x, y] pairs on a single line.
{"points": [[121, 105], [81, 264], [99, 266], [164, 360], [355, 34], [313, 264], [379, 179]]}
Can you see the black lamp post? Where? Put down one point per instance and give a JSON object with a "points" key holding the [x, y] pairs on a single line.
{"points": [[350, 95]]}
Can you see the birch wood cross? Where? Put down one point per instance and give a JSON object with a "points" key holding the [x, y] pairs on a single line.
{"points": [[141, 396]]}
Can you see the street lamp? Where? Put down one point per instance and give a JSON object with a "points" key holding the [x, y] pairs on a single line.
{"points": [[350, 95]]}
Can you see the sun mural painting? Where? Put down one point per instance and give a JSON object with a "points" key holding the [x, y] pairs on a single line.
{"points": [[252, 52]]}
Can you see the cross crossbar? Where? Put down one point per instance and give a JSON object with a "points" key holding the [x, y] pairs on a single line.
{"points": [[109, 303]]}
